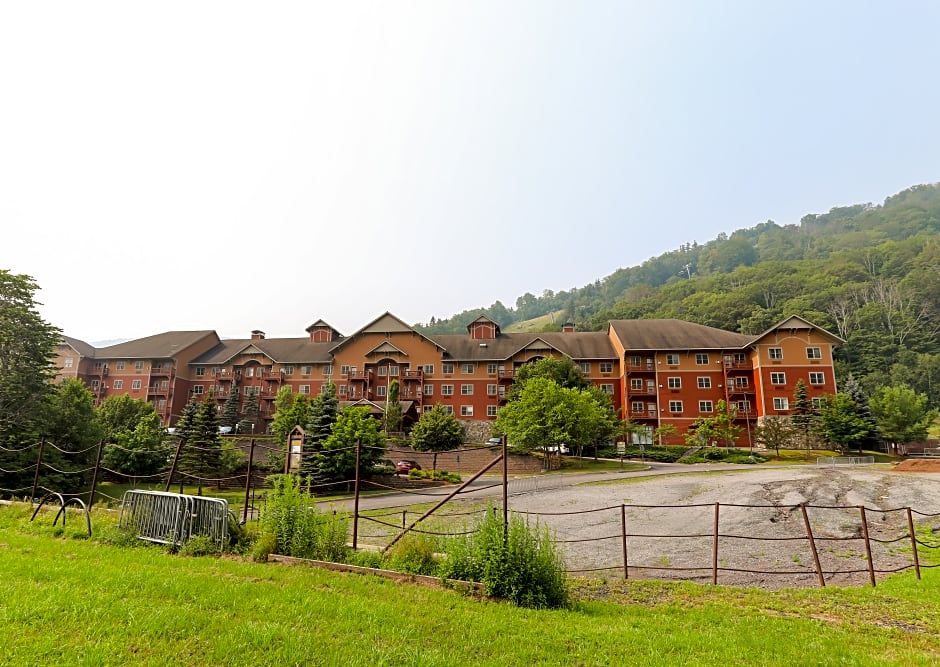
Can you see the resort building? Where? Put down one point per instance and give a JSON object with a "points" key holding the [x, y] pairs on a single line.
{"points": [[655, 371]]}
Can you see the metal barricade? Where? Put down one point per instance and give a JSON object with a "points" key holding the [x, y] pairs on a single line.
{"points": [[845, 460], [172, 518]]}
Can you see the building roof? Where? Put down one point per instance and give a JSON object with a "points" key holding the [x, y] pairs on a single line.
{"points": [[80, 346], [159, 346], [797, 323], [280, 350], [586, 345], [672, 334]]}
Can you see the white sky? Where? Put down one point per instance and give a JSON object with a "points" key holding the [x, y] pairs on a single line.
{"points": [[234, 165]]}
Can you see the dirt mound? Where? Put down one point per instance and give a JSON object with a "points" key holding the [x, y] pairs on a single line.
{"points": [[919, 465]]}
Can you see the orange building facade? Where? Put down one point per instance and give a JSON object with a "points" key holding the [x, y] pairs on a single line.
{"points": [[655, 371]]}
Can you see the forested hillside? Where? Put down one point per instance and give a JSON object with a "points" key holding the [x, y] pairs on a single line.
{"points": [[870, 273]]}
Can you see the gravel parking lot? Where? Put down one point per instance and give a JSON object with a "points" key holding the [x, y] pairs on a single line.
{"points": [[684, 504]]}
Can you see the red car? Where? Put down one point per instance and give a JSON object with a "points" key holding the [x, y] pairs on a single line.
{"points": [[404, 467]]}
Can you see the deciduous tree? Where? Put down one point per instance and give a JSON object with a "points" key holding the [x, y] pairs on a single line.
{"points": [[436, 431]]}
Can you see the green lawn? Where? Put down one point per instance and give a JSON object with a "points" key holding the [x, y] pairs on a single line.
{"points": [[65, 600]]}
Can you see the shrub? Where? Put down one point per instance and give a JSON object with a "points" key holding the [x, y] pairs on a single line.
{"points": [[290, 524], [437, 475], [199, 545], [519, 562], [413, 553]]}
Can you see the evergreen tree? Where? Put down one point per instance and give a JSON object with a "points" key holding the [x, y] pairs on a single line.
{"points": [[802, 415], [202, 452], [249, 421], [854, 389], [229, 416], [324, 409], [337, 460], [393, 415]]}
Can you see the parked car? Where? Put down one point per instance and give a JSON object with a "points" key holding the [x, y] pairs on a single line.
{"points": [[494, 441], [561, 449], [404, 467]]}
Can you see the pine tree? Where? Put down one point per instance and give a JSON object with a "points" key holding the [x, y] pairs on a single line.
{"points": [[324, 409], [230, 410], [802, 415], [393, 414], [249, 420], [853, 388], [202, 452]]}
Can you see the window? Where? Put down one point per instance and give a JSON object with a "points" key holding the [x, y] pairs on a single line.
{"points": [[98, 365], [741, 381], [636, 383], [817, 378], [467, 369], [305, 389], [380, 391], [781, 403], [328, 369], [68, 363], [254, 391], [117, 384], [778, 378], [120, 365], [744, 406], [288, 370], [491, 369], [819, 403], [701, 358], [429, 390], [161, 404], [305, 370], [138, 365], [706, 406], [429, 369], [200, 371], [636, 406], [447, 369], [606, 367], [585, 368], [393, 370], [383, 371], [344, 369], [466, 410], [635, 361], [675, 406], [775, 353], [135, 385], [491, 390], [197, 388], [447, 390], [466, 390], [164, 384], [94, 384], [490, 410], [427, 408], [342, 390], [704, 383], [250, 372], [813, 353], [448, 409], [607, 388], [674, 382], [672, 359]]}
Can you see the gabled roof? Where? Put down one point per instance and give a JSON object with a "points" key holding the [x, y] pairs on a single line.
{"points": [[383, 324], [279, 350], [385, 348], [320, 323], [797, 323], [80, 346], [586, 345], [671, 334], [159, 346]]}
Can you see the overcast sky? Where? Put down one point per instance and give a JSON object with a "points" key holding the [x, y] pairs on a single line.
{"points": [[233, 166]]}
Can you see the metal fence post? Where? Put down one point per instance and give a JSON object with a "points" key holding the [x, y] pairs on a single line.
{"points": [[715, 548], [910, 528], [812, 545], [94, 477], [623, 537], [176, 460], [871, 563], [251, 457], [356, 502], [42, 445]]}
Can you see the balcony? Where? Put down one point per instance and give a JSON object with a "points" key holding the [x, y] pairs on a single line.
{"points": [[161, 370], [413, 375], [505, 375], [155, 390], [360, 375]]}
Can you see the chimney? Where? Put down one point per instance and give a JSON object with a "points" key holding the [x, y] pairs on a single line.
{"points": [[567, 327], [257, 334]]}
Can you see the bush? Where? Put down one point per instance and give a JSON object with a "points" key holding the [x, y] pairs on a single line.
{"points": [[199, 545], [437, 475], [413, 553], [520, 564], [290, 524]]}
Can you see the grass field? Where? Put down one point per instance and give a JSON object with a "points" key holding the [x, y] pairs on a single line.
{"points": [[67, 600]]}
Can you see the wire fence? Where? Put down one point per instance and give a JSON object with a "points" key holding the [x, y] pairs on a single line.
{"points": [[728, 543]]}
